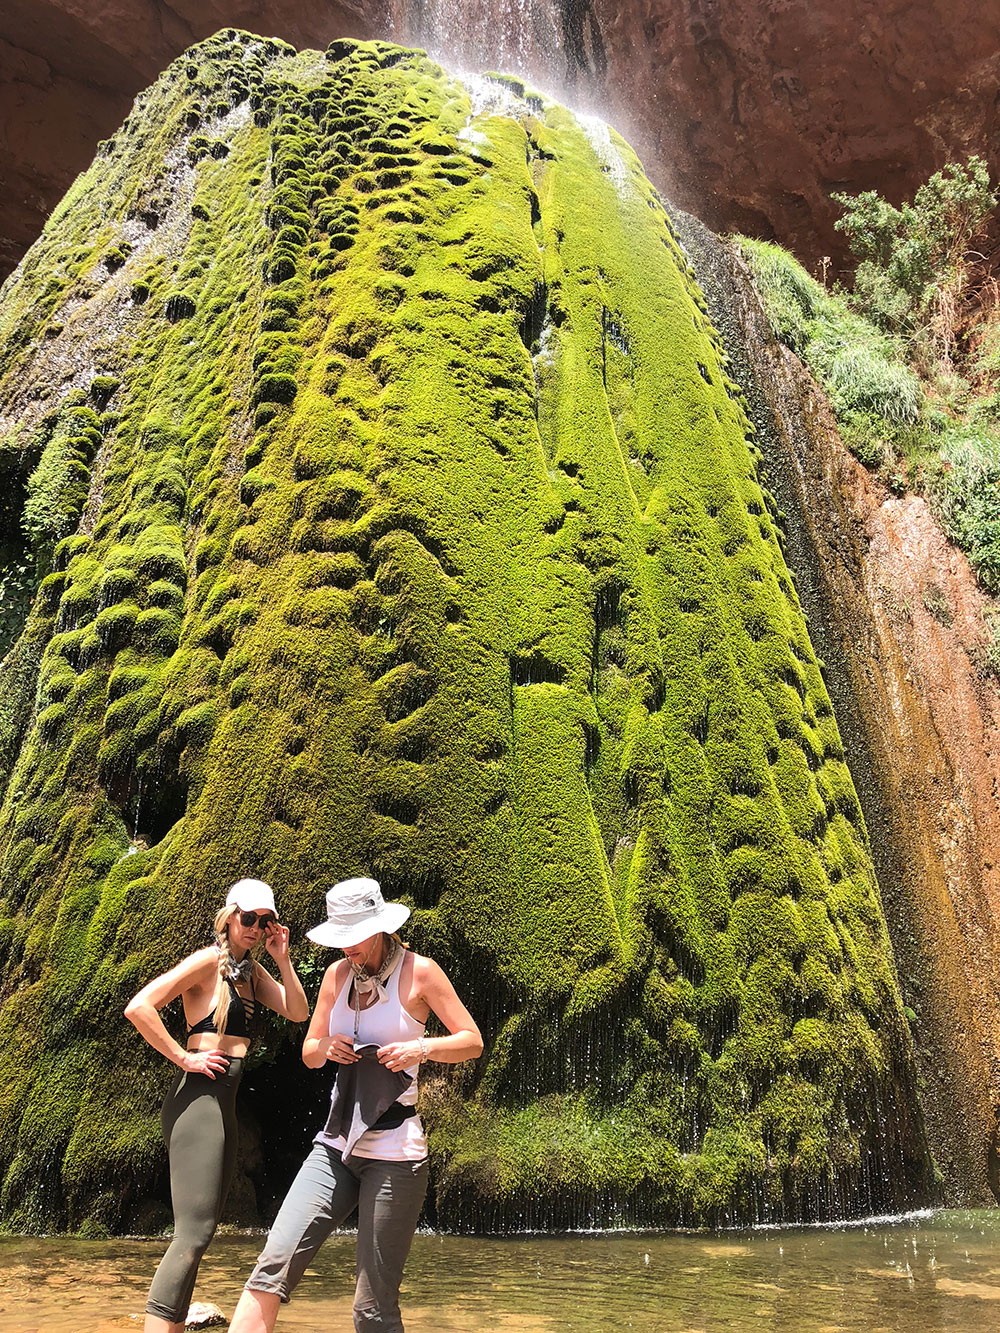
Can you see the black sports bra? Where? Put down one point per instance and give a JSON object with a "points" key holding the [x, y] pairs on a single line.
{"points": [[241, 1011]]}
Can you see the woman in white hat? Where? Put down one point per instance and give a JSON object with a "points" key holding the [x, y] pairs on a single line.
{"points": [[371, 1154], [220, 988]]}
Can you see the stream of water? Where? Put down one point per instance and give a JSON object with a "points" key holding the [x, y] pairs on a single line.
{"points": [[523, 37], [910, 1275]]}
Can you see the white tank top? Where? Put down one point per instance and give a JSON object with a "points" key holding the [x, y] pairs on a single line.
{"points": [[379, 1025]]}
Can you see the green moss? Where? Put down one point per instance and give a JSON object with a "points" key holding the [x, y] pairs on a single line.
{"points": [[276, 389], [436, 467], [102, 388]]}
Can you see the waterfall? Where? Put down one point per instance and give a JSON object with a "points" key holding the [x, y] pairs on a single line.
{"points": [[554, 43]]}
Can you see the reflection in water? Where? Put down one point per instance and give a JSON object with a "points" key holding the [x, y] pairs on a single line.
{"points": [[915, 1275]]}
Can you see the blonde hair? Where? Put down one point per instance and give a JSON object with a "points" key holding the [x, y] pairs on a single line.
{"points": [[223, 995]]}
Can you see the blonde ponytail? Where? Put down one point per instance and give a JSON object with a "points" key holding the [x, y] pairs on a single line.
{"points": [[223, 994]]}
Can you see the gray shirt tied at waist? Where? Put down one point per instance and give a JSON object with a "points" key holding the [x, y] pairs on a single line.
{"points": [[362, 1094]]}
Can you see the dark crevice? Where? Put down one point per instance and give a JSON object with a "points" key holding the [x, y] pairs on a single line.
{"points": [[495, 803], [613, 333], [699, 726], [533, 320], [416, 526], [399, 808], [717, 1028], [406, 691], [591, 746], [424, 885], [535, 670]]}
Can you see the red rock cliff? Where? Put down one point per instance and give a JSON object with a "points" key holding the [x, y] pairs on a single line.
{"points": [[897, 614], [747, 113]]}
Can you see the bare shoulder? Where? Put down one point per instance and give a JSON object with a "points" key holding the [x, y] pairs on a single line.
{"points": [[335, 976], [196, 966], [197, 971], [427, 973]]}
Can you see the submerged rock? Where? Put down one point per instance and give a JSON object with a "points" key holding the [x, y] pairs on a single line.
{"points": [[202, 1314], [416, 527]]}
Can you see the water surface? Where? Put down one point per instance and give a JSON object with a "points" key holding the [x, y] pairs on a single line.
{"points": [[915, 1275]]}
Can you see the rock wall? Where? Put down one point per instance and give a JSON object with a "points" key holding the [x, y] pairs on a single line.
{"points": [[396, 512], [752, 113], [897, 614], [746, 114]]}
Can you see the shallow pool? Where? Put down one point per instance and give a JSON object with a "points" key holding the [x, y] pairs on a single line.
{"points": [[908, 1275]]}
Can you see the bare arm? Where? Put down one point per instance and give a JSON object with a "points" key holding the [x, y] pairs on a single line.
{"points": [[286, 997], [463, 1042], [143, 1010], [319, 1046]]}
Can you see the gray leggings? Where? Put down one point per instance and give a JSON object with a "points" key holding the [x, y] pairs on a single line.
{"points": [[388, 1197], [199, 1128]]}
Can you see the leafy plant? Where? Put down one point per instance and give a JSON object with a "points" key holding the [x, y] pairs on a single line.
{"points": [[965, 489], [917, 261]]}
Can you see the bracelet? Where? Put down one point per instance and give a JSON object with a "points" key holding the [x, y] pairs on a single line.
{"points": [[422, 1042]]}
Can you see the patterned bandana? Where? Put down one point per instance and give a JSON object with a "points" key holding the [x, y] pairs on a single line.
{"points": [[239, 971], [377, 982]]}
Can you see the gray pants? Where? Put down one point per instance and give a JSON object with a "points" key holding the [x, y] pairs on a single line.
{"points": [[388, 1197]]}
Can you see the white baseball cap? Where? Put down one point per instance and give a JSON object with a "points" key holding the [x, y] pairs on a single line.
{"points": [[251, 895]]}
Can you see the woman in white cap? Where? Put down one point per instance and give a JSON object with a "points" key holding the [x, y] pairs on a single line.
{"points": [[220, 988], [371, 1154]]}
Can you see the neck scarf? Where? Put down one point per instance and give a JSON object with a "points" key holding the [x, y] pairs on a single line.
{"points": [[376, 983], [239, 971]]}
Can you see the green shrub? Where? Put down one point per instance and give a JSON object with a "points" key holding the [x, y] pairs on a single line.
{"points": [[861, 379], [878, 400], [916, 260], [965, 488], [883, 408]]}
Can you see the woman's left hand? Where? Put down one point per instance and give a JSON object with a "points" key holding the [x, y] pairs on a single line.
{"points": [[276, 942], [399, 1055]]}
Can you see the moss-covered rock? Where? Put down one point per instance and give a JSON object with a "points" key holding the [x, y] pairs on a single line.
{"points": [[427, 538]]}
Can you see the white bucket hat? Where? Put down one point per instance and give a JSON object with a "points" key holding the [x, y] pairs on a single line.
{"points": [[356, 910], [251, 895]]}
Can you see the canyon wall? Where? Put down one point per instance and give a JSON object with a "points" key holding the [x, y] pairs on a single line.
{"points": [[746, 114]]}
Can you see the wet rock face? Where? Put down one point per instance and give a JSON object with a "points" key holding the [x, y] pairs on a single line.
{"points": [[905, 631], [747, 114], [397, 513]]}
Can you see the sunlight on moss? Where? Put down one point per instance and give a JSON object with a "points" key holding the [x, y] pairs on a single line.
{"points": [[416, 527]]}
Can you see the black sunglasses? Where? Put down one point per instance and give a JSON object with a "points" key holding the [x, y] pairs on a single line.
{"points": [[263, 919]]}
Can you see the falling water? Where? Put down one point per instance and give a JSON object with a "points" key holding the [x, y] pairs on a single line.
{"points": [[611, 160], [525, 37]]}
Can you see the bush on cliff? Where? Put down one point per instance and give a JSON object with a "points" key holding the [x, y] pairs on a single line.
{"points": [[888, 416], [918, 271], [877, 398]]}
